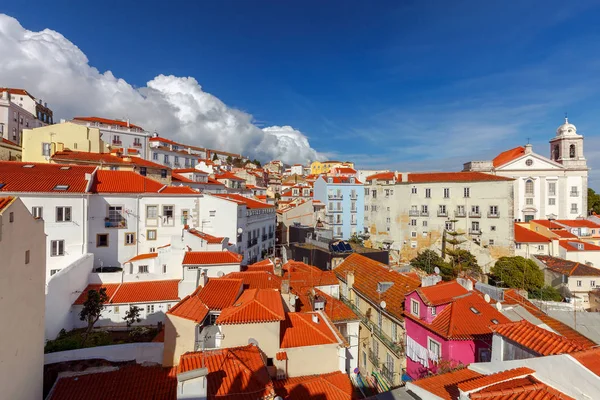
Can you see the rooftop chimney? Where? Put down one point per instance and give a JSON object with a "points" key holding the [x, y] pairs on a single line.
{"points": [[128, 123], [350, 279], [528, 148], [278, 268], [315, 318]]}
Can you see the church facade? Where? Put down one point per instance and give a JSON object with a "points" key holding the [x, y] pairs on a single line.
{"points": [[544, 188]]}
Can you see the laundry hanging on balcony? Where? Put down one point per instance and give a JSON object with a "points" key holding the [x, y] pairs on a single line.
{"points": [[416, 352]]}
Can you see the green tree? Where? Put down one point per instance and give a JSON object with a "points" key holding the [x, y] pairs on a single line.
{"points": [[92, 309], [427, 260], [132, 316], [461, 260], [215, 158], [593, 201], [517, 272], [256, 162], [547, 293], [229, 160], [355, 239]]}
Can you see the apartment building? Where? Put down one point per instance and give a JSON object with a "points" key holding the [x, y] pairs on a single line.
{"points": [[545, 187], [174, 155], [376, 293], [118, 133], [344, 204], [197, 179], [19, 110], [22, 248], [323, 167], [9, 151], [410, 211]]}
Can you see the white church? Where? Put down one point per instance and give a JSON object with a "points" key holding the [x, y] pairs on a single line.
{"points": [[545, 188]]}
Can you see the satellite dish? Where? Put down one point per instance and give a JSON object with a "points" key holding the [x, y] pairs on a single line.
{"points": [[499, 306], [436, 270], [220, 274], [253, 341], [383, 304], [240, 230], [486, 297]]}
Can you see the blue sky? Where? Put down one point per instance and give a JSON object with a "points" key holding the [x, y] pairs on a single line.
{"points": [[401, 85]]}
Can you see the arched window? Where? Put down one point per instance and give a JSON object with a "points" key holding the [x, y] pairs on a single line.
{"points": [[556, 152], [572, 151], [529, 187]]}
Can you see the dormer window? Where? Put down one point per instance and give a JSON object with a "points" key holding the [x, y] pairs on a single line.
{"points": [[414, 307], [65, 168], [329, 180], [474, 311], [28, 166], [61, 187], [433, 311], [352, 180]]}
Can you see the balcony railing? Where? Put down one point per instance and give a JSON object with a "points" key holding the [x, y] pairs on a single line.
{"points": [[373, 357], [493, 214], [441, 213], [249, 243], [397, 348], [460, 214], [117, 142], [115, 223], [353, 196], [337, 210], [254, 241], [574, 194], [335, 196], [271, 234], [353, 222], [474, 214], [388, 374], [413, 213], [424, 213], [264, 237], [474, 231], [137, 144]]}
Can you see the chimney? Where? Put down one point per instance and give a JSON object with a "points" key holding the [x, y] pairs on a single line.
{"points": [[128, 123], [350, 279], [554, 248], [278, 268], [203, 277], [404, 176], [528, 148], [285, 286], [315, 318], [192, 384]]}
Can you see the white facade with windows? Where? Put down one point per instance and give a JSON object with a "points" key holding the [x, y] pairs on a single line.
{"points": [[19, 110], [119, 133]]}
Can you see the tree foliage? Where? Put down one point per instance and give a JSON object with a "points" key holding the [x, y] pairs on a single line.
{"points": [[92, 309], [518, 272], [355, 239], [427, 260], [463, 261], [547, 293], [215, 157], [229, 160], [593, 201], [132, 316]]}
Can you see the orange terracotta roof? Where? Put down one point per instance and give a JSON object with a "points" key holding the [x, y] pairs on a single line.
{"points": [[124, 182], [164, 140], [332, 386], [445, 385], [335, 309], [108, 122], [103, 158], [8, 142], [128, 382], [382, 176], [220, 293], [497, 377], [441, 293], [148, 291], [5, 202], [589, 358], [178, 190], [572, 245], [43, 178], [256, 279], [578, 223], [345, 170], [228, 175], [299, 330], [547, 223], [567, 267], [22, 92], [367, 273], [250, 203], [189, 170], [342, 180], [520, 388], [254, 306], [211, 257], [300, 274], [263, 265], [237, 373], [426, 177], [142, 257], [524, 235], [210, 239], [111, 288], [508, 156], [540, 340], [563, 234], [190, 307], [180, 178]]}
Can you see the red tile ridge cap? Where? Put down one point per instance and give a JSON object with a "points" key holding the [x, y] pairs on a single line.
{"points": [[492, 379]]}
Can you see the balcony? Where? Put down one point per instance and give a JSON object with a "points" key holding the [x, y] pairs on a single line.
{"points": [[474, 231], [137, 144], [396, 348], [441, 213], [460, 214], [574, 194], [337, 222], [271, 234], [119, 224], [264, 237], [388, 374], [117, 142], [254, 241], [493, 214], [413, 213], [373, 358], [424, 213], [353, 196], [474, 214], [249, 243], [336, 210], [353, 222], [335, 196]]}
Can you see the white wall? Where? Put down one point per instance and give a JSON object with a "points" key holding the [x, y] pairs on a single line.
{"points": [[112, 315], [140, 352]]}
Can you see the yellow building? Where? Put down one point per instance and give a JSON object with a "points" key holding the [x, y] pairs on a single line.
{"points": [[318, 167], [40, 144]]}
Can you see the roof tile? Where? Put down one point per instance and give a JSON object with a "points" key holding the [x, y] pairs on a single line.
{"points": [[135, 292], [106, 121], [446, 385], [567, 267], [299, 330], [211, 257], [426, 177], [17, 177], [508, 155], [254, 306], [332, 386], [524, 235]]}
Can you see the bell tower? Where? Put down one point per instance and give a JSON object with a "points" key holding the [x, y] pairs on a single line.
{"points": [[566, 147]]}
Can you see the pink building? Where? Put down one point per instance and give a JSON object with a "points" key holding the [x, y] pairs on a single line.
{"points": [[447, 325]]}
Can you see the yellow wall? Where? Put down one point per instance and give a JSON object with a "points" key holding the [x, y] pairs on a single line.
{"points": [[312, 360], [180, 337], [64, 135], [324, 167], [266, 334]]}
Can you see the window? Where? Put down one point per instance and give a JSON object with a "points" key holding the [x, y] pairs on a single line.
{"points": [[149, 309], [151, 212], [142, 269], [493, 228], [413, 234], [448, 225], [529, 187], [446, 193], [102, 240], [551, 201], [529, 201], [11, 217], [176, 160], [572, 153], [394, 332], [129, 238], [475, 226], [424, 223], [467, 192], [592, 283], [166, 159], [116, 309], [374, 193], [428, 193], [432, 310], [518, 246], [164, 268], [442, 210], [424, 209], [491, 243], [57, 248], [493, 210], [574, 191], [414, 190], [54, 271], [366, 191], [27, 258], [413, 222], [163, 173], [63, 214], [168, 213], [573, 208], [155, 156], [143, 171], [116, 139], [434, 347], [475, 210], [151, 234], [115, 216], [551, 188], [213, 213], [414, 307], [46, 149], [578, 283], [37, 212]]}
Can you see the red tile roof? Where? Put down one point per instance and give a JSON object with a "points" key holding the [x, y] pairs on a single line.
{"points": [[124, 182], [210, 239], [103, 158], [175, 177], [263, 265], [254, 306], [547, 223], [5, 202], [563, 234], [211, 258], [567, 267], [524, 235], [520, 388], [16, 91], [8, 142], [332, 386], [250, 203], [128, 382], [136, 292], [229, 176], [494, 378], [342, 180], [237, 373], [220, 293], [589, 358], [508, 156], [445, 385], [459, 321], [578, 223], [453, 177], [382, 176], [335, 309], [108, 122], [300, 275], [190, 307], [256, 279], [189, 170], [299, 330], [441, 293], [572, 245], [178, 190], [540, 340], [43, 177], [367, 273], [142, 257]]}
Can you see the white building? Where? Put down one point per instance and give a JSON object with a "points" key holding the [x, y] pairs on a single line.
{"points": [[297, 169], [20, 110], [22, 249], [119, 133], [554, 187]]}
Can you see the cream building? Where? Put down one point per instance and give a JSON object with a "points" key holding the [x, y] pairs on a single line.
{"points": [[19, 110], [545, 188], [22, 248], [323, 167], [118, 134], [40, 144]]}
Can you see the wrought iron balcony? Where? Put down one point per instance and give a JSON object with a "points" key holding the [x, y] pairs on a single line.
{"points": [[271, 234], [424, 213], [493, 214], [388, 374], [335, 196], [413, 213], [122, 223], [460, 214], [264, 237], [474, 214], [254, 241], [474, 231], [373, 357], [441, 213]]}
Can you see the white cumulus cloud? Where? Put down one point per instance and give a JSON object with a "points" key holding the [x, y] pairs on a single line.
{"points": [[51, 67]]}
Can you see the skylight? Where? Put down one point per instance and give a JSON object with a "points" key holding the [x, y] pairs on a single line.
{"points": [[495, 321], [28, 166], [61, 187], [474, 310], [65, 167]]}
